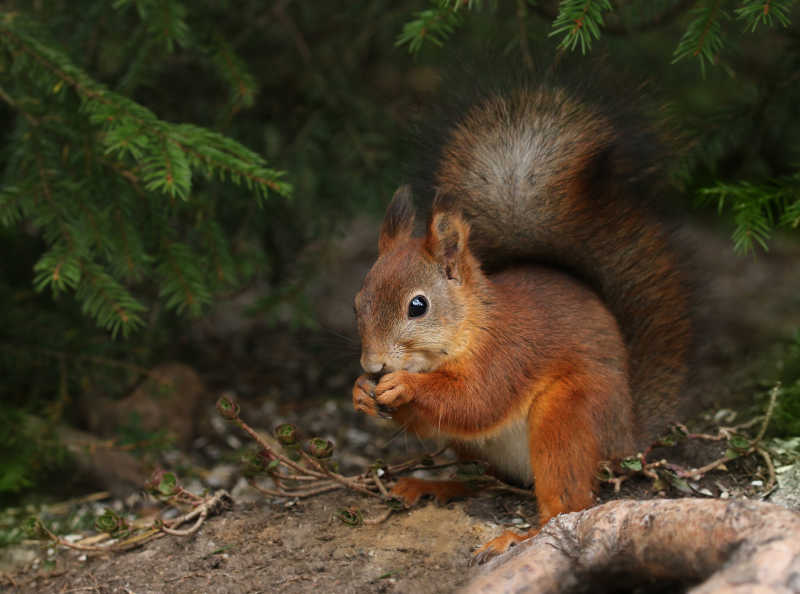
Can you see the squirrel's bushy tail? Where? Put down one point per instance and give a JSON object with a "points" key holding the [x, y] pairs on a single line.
{"points": [[545, 177]]}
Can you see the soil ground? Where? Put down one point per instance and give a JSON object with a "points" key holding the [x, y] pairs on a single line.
{"points": [[277, 545]]}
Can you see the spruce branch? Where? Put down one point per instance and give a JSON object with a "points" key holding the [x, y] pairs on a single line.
{"points": [[108, 302], [58, 268], [165, 21], [615, 27], [434, 25], [579, 21], [10, 205], [768, 12], [757, 208], [232, 69], [703, 36], [73, 132], [182, 279], [132, 130]]}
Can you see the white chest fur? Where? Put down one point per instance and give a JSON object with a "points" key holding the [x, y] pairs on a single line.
{"points": [[506, 451]]}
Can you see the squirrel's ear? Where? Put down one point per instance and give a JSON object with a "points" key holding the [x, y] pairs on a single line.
{"points": [[447, 242], [398, 223]]}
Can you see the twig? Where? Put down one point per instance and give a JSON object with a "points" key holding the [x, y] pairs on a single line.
{"points": [[195, 527], [770, 467], [123, 545], [211, 505], [410, 467], [773, 398], [647, 468], [293, 477], [417, 463], [379, 483], [754, 447], [617, 481], [349, 483], [63, 506], [697, 473], [276, 455], [378, 519], [501, 486], [221, 499], [722, 432], [299, 493]]}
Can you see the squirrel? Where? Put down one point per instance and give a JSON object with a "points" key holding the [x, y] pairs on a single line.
{"points": [[541, 323]]}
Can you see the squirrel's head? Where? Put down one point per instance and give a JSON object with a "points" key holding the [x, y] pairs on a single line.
{"points": [[412, 307]]}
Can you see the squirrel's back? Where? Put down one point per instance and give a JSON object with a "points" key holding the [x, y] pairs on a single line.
{"points": [[546, 177]]}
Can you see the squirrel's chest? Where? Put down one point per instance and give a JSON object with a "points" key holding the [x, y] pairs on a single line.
{"points": [[506, 451]]}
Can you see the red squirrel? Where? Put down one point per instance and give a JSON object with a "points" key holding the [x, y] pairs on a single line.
{"points": [[541, 322]]}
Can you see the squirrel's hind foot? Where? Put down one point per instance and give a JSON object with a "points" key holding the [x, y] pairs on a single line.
{"points": [[500, 545], [411, 489]]}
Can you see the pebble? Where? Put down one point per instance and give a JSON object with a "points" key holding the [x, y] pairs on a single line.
{"points": [[222, 476]]}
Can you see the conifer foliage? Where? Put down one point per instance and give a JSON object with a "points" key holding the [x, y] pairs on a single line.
{"points": [[108, 213], [116, 193]]}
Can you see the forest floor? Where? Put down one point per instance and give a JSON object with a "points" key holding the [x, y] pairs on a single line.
{"points": [[268, 544]]}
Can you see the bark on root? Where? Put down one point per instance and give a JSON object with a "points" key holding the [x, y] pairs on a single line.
{"points": [[711, 546]]}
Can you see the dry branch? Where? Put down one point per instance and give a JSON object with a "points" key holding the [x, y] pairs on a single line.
{"points": [[730, 547]]}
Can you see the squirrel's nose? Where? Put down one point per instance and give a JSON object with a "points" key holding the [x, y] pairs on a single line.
{"points": [[372, 364]]}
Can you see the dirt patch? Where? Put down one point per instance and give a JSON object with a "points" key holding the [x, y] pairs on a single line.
{"points": [[302, 548]]}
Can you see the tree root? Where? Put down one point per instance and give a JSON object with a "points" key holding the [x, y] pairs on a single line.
{"points": [[730, 547]]}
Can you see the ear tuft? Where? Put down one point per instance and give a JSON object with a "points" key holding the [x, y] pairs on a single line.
{"points": [[398, 222], [444, 202], [447, 234], [447, 242]]}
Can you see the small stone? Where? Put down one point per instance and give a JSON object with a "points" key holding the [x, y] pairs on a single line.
{"points": [[724, 415], [219, 425], [242, 492], [788, 492]]}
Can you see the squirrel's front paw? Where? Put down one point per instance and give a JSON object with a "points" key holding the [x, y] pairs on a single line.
{"points": [[364, 396], [395, 389]]}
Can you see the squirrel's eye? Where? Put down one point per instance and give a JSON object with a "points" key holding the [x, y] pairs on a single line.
{"points": [[417, 307]]}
